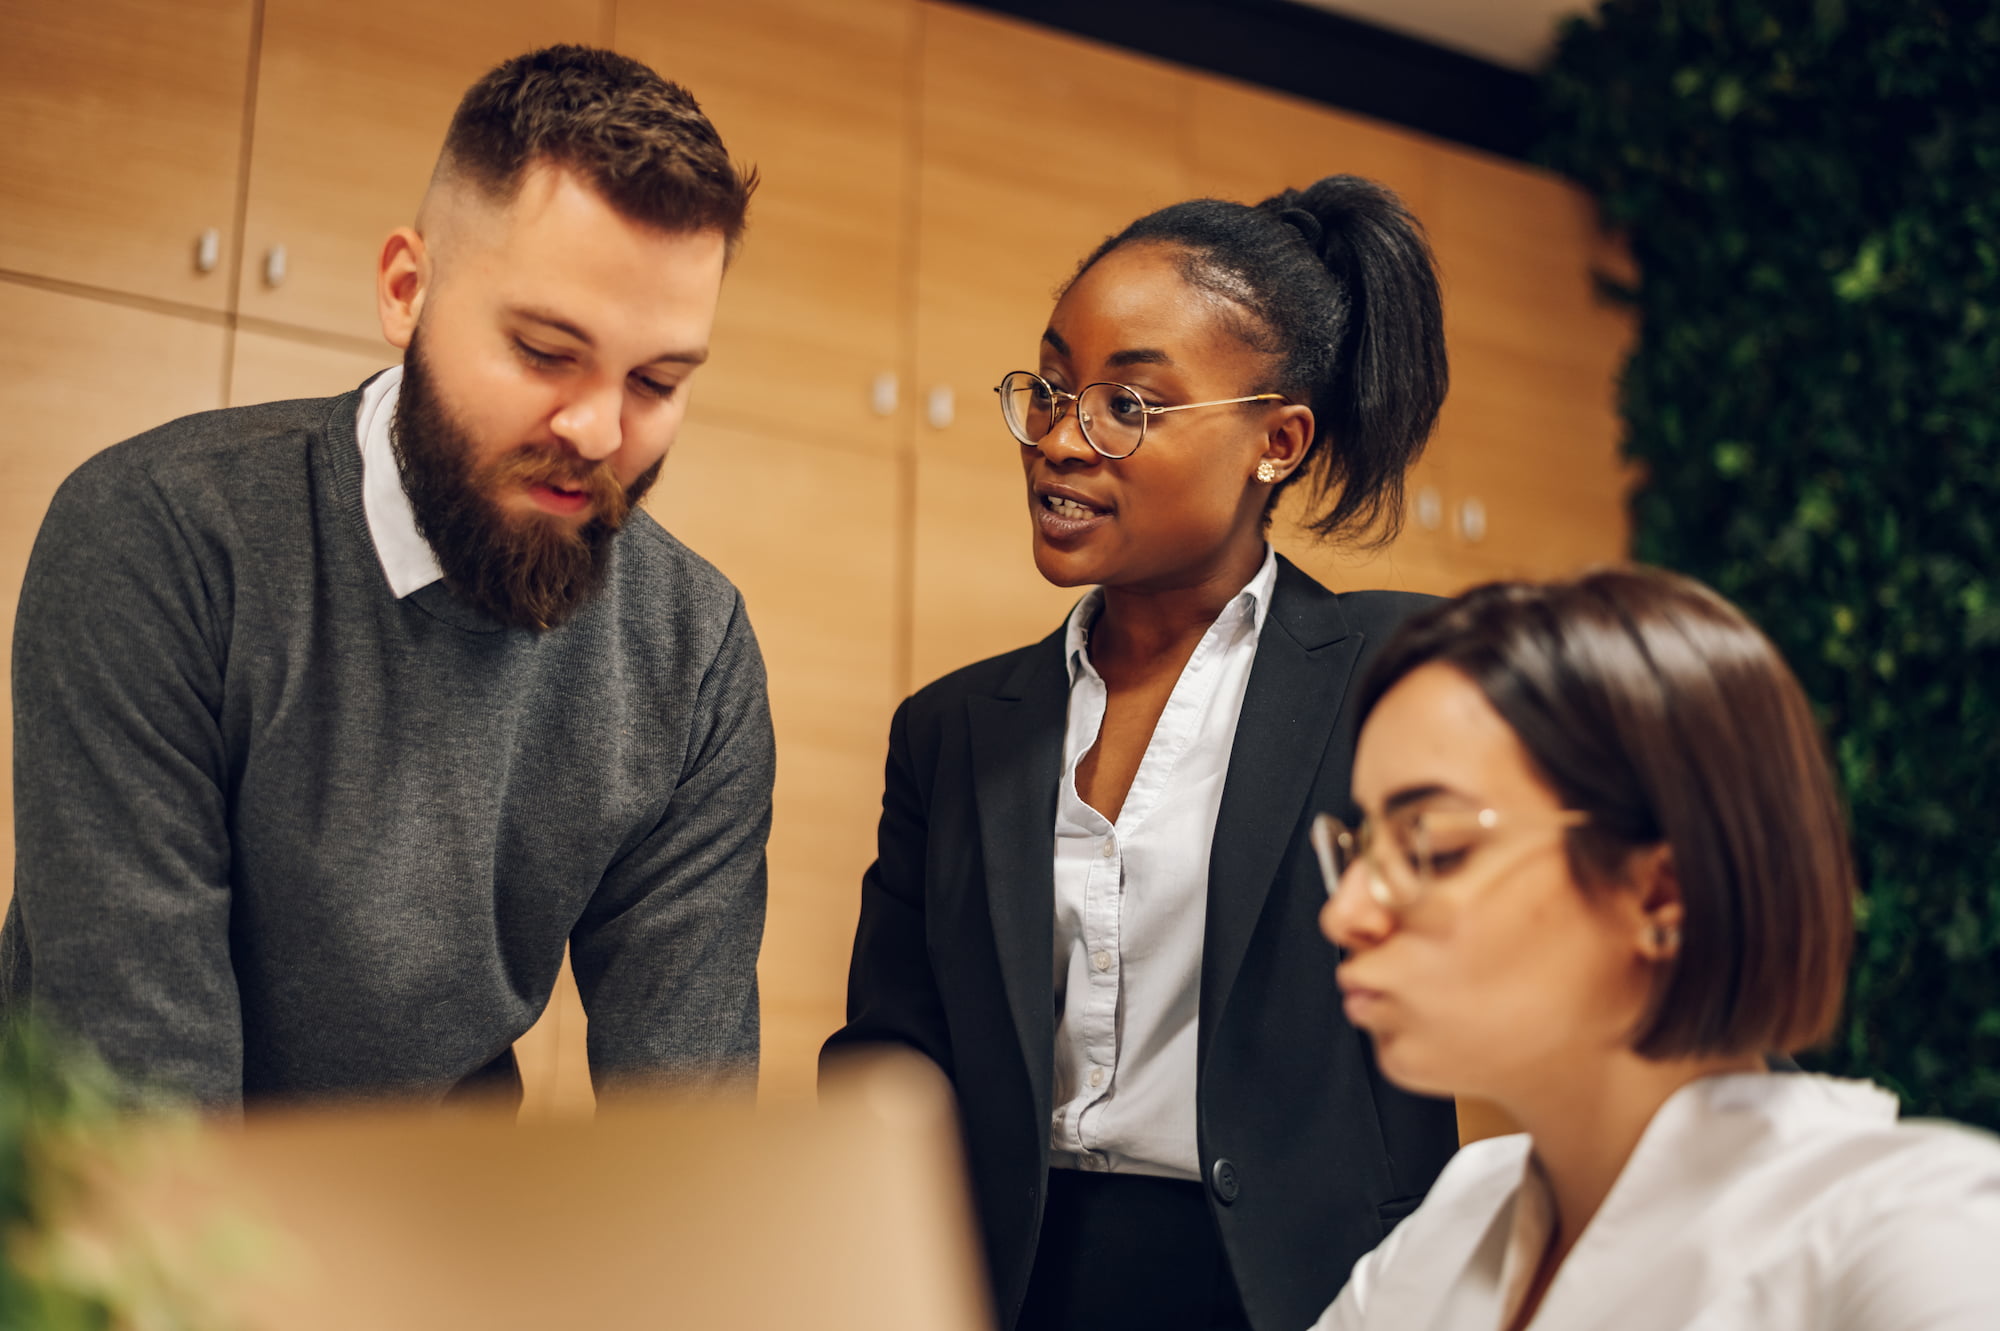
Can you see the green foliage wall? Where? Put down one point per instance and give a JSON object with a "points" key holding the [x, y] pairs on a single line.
{"points": [[1812, 191]]}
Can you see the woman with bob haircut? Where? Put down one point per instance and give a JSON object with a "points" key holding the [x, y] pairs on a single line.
{"points": [[1093, 896], [1600, 870]]}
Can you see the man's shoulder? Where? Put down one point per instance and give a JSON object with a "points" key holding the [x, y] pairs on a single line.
{"points": [[657, 565], [210, 452]]}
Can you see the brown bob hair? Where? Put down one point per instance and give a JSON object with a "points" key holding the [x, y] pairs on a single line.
{"points": [[641, 141], [1651, 704]]}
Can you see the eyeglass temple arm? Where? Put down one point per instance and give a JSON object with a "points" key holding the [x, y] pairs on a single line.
{"points": [[1219, 402]]}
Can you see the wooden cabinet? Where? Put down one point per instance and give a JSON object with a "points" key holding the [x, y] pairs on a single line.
{"points": [[807, 542], [93, 373], [121, 130], [1531, 430], [1522, 477], [1249, 144], [353, 97], [811, 341], [268, 368], [1034, 148]]}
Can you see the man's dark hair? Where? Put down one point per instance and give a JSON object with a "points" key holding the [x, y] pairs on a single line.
{"points": [[640, 141], [1651, 704], [1336, 282]]}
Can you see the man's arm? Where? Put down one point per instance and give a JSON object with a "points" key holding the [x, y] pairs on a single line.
{"points": [[666, 953], [119, 933]]}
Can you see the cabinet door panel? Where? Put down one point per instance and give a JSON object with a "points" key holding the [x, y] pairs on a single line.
{"points": [[1247, 144], [977, 592], [811, 545], [121, 134], [1035, 147], [268, 368], [1519, 248], [818, 97], [77, 376], [1530, 433], [353, 97], [1533, 442]]}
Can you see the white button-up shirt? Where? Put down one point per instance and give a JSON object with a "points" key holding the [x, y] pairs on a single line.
{"points": [[1131, 901], [1772, 1202], [408, 561]]}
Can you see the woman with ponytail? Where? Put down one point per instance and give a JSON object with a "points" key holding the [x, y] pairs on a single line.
{"points": [[1094, 897]]}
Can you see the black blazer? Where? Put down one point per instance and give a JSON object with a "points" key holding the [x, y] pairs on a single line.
{"points": [[1309, 1155]]}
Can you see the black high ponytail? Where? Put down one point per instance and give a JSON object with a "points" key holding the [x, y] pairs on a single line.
{"points": [[1338, 284]]}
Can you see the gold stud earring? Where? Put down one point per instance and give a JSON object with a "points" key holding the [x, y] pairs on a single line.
{"points": [[1266, 472]]}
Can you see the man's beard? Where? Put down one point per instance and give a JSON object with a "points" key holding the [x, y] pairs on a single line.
{"points": [[523, 569]]}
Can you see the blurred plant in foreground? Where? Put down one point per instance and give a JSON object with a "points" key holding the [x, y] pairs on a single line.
{"points": [[82, 1245]]}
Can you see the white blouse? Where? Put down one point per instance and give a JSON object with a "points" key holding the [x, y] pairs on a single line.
{"points": [[1755, 1202], [1131, 901]]}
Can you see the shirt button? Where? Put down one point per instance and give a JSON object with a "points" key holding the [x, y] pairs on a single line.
{"points": [[1106, 850], [1101, 960], [1097, 1076]]}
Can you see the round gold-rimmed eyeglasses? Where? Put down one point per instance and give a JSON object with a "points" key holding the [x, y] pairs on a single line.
{"points": [[1409, 853], [1112, 416]]}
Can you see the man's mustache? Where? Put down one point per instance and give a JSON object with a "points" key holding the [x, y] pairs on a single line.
{"points": [[533, 465]]}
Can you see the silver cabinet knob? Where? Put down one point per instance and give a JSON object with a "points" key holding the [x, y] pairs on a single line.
{"points": [[940, 407], [1428, 508], [207, 250], [274, 266], [882, 393], [1472, 520]]}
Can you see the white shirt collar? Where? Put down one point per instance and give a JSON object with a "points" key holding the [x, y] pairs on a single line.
{"points": [[1254, 600], [408, 561]]}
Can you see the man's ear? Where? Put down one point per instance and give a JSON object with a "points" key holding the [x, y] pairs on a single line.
{"points": [[402, 282]]}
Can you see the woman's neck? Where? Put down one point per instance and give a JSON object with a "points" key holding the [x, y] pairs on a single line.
{"points": [[1146, 624], [1586, 1122]]}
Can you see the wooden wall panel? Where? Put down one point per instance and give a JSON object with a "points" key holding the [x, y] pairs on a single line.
{"points": [[121, 136], [815, 305], [1247, 144], [1530, 433], [58, 365], [802, 531], [1035, 148], [267, 368], [353, 97], [976, 587]]}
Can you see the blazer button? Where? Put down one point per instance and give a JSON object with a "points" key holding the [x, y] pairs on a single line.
{"points": [[1222, 1177]]}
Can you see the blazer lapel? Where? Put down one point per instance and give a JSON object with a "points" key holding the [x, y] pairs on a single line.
{"points": [[1017, 738], [1298, 685]]}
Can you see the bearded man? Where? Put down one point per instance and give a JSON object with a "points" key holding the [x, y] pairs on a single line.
{"points": [[336, 720]]}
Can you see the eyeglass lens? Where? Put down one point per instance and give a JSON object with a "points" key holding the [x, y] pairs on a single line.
{"points": [[1113, 418], [1399, 871]]}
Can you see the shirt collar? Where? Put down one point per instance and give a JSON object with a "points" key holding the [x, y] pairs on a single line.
{"points": [[1254, 600], [408, 561]]}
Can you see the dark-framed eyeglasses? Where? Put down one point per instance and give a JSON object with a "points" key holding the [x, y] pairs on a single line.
{"points": [[1111, 416]]}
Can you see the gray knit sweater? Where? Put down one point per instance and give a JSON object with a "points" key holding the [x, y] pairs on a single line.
{"points": [[281, 834]]}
